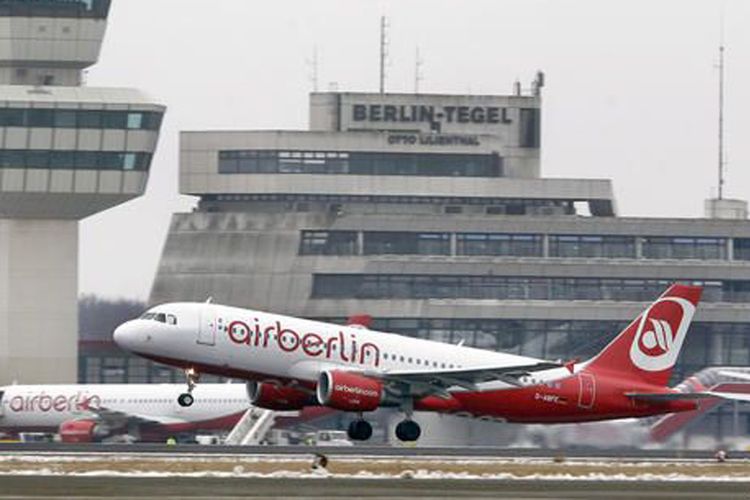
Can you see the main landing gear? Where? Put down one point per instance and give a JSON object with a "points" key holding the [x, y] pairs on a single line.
{"points": [[408, 430], [359, 430], [186, 398]]}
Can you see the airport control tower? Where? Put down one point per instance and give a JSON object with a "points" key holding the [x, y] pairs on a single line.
{"points": [[67, 151]]}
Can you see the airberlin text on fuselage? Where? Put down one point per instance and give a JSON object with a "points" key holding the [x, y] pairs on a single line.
{"points": [[45, 403], [312, 344]]}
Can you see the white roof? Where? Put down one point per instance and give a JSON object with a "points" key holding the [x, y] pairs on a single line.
{"points": [[96, 97]]}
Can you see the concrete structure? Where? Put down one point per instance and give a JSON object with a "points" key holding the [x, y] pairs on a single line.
{"points": [[66, 152], [429, 213]]}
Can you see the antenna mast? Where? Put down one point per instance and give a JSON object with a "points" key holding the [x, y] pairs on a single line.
{"points": [[383, 51], [418, 77], [721, 121], [721, 111], [314, 65]]}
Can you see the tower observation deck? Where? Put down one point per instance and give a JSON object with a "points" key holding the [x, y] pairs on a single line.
{"points": [[67, 151]]}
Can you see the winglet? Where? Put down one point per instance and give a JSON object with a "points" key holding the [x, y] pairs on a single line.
{"points": [[570, 365], [361, 320]]}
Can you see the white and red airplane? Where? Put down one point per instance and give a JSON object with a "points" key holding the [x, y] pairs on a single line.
{"points": [[147, 412], [290, 363]]}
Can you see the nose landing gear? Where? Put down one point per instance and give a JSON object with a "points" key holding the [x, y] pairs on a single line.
{"points": [[186, 398]]}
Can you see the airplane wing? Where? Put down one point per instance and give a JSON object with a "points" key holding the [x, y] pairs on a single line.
{"points": [[115, 418], [438, 381], [675, 396]]}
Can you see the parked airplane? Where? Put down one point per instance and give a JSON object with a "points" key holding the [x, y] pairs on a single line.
{"points": [[147, 412], [649, 431], [290, 363]]}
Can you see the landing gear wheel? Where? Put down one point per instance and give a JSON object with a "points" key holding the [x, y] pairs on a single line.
{"points": [[185, 399], [408, 430], [359, 430]]}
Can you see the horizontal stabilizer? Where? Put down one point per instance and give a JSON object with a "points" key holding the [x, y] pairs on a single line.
{"points": [[733, 396], [687, 396], [735, 374]]}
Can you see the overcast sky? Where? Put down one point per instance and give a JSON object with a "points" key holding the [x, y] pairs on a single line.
{"points": [[631, 90]]}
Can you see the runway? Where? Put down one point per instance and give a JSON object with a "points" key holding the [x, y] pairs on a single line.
{"points": [[362, 472], [195, 488], [375, 451]]}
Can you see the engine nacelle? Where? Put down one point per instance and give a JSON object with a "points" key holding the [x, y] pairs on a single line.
{"points": [[277, 397], [349, 391], [80, 431]]}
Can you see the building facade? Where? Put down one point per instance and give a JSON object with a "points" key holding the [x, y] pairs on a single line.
{"points": [[67, 151], [429, 213]]}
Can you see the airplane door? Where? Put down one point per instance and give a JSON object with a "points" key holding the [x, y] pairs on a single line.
{"points": [[207, 330], [587, 391]]}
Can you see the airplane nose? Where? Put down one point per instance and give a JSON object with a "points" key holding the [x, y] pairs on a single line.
{"points": [[126, 335]]}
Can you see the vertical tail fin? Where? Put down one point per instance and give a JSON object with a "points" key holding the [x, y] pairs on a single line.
{"points": [[647, 349]]}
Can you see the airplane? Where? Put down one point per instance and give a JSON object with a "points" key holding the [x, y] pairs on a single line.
{"points": [[93, 412], [290, 363]]}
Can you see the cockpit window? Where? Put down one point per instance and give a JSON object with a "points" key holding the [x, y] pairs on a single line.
{"points": [[170, 319]]}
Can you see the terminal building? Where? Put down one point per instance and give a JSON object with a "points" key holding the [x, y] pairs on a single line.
{"points": [[67, 151], [430, 213]]}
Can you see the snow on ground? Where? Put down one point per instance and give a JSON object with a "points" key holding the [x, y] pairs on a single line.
{"points": [[362, 467], [418, 474]]}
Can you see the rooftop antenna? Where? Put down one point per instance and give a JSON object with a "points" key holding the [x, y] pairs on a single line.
{"points": [[383, 50], [418, 76], [721, 110], [314, 65]]}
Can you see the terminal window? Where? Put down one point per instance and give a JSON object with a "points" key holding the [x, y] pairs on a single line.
{"points": [[406, 243], [82, 119], [592, 246], [328, 243], [742, 248], [74, 160], [522, 245], [684, 248], [531, 128], [55, 8], [404, 286], [359, 163]]}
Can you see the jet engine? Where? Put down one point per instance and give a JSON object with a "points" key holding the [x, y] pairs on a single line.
{"points": [[277, 397], [349, 391], [81, 431]]}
